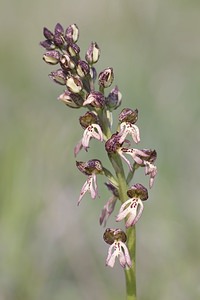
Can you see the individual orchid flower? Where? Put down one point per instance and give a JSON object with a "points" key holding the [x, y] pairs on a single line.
{"points": [[110, 204], [92, 130], [127, 119], [128, 128], [132, 208], [90, 168], [116, 238]]}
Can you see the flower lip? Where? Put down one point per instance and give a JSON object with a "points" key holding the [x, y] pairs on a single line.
{"points": [[138, 191]]}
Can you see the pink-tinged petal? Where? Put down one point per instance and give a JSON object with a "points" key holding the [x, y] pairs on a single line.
{"points": [[86, 138], [110, 260], [93, 186], [84, 189], [126, 254], [124, 211], [98, 134], [125, 159], [151, 170], [78, 148], [135, 214]]}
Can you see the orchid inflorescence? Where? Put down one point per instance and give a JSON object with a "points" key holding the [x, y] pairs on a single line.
{"points": [[79, 77]]}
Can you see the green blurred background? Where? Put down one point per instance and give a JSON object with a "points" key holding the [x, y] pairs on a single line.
{"points": [[49, 248]]}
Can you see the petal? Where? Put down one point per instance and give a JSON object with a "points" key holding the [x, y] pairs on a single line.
{"points": [[125, 159], [135, 213], [124, 211], [84, 189], [110, 260], [78, 148], [126, 255]]}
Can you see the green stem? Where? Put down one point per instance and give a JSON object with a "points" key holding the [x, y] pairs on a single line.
{"points": [[130, 275]]}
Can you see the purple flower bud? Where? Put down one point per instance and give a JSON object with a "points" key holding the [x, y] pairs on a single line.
{"points": [[74, 84], [138, 191], [82, 68], [48, 45], [72, 33], [96, 99], [71, 100], [66, 62], [58, 28], [92, 54], [128, 115], [58, 76], [106, 77], [51, 57], [73, 49], [114, 98], [48, 34]]}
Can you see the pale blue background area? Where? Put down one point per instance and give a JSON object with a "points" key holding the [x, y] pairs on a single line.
{"points": [[49, 248]]}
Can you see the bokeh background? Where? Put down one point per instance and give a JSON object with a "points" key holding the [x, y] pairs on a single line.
{"points": [[49, 248]]}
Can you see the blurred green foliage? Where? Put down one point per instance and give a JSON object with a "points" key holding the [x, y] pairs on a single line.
{"points": [[49, 248]]}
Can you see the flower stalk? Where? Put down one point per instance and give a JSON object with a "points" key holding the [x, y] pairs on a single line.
{"points": [[87, 89]]}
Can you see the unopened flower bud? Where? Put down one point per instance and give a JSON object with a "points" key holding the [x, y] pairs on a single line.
{"points": [[128, 115], [73, 49], [106, 77], [82, 68], [58, 76], [48, 45], [71, 100], [51, 57], [93, 53], [48, 34], [96, 99], [114, 99], [111, 235], [88, 119], [72, 33], [58, 36], [66, 62], [74, 84], [138, 191]]}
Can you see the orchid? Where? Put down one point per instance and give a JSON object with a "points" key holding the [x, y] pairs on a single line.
{"points": [[86, 88], [128, 128], [132, 208], [92, 131]]}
